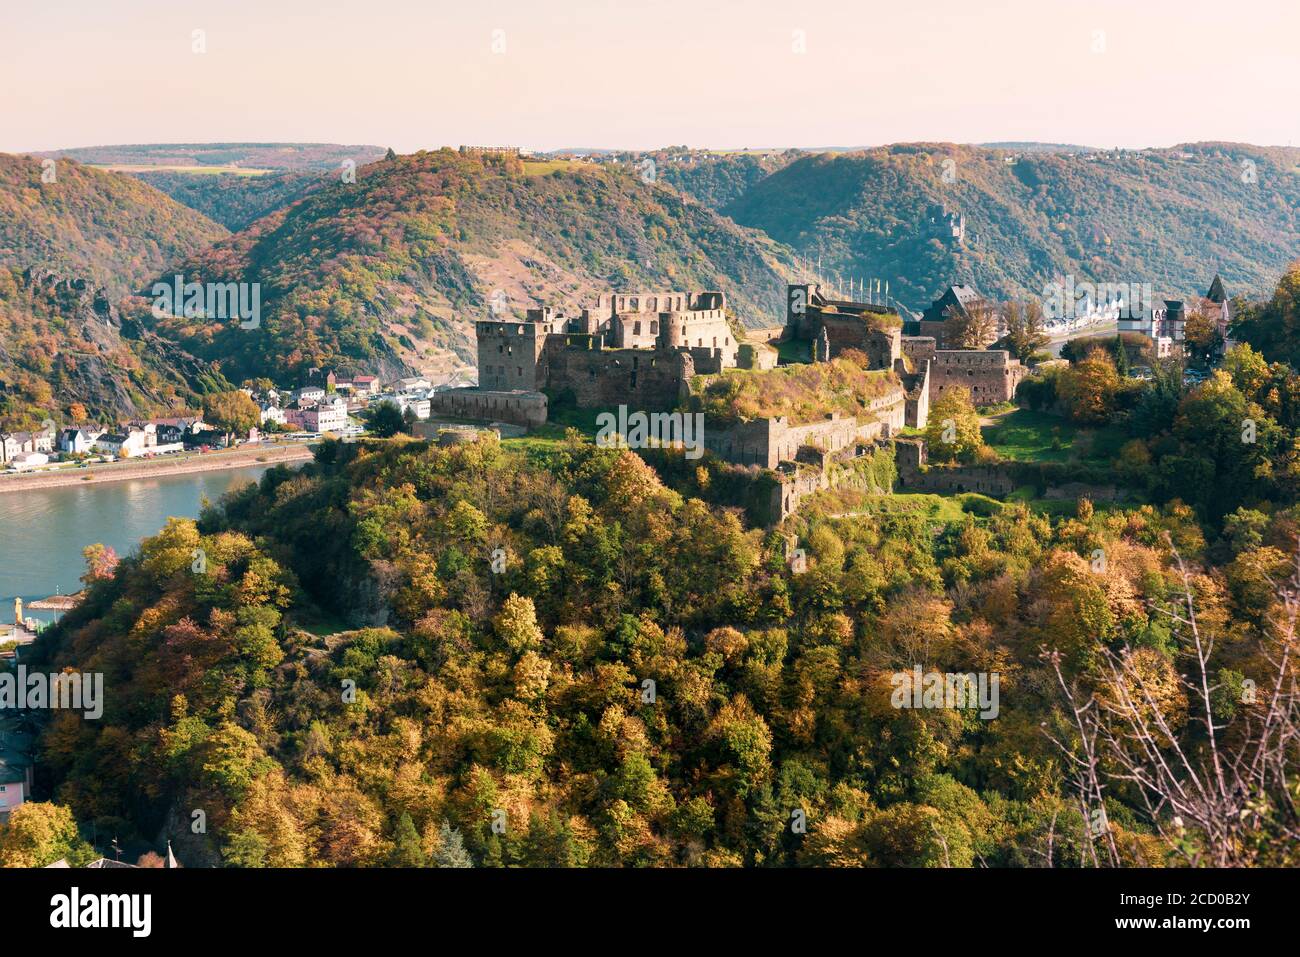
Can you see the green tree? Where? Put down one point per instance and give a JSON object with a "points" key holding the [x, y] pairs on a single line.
{"points": [[407, 851], [385, 420]]}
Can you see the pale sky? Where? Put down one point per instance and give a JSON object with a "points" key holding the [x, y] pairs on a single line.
{"points": [[645, 73]]}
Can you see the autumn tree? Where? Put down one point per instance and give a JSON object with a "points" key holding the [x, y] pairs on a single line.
{"points": [[234, 413], [952, 433], [1088, 388], [972, 326], [38, 833]]}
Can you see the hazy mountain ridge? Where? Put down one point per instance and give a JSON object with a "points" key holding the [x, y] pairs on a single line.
{"points": [[319, 156], [1169, 217]]}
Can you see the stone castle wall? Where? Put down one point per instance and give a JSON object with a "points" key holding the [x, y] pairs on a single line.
{"points": [[990, 375], [598, 378], [909, 456], [521, 407], [768, 442]]}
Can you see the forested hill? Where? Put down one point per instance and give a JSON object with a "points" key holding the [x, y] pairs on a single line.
{"points": [[91, 224], [233, 199], [70, 354], [1171, 217], [71, 247], [386, 273], [346, 682], [715, 179]]}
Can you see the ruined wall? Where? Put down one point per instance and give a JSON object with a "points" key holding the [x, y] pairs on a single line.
{"points": [[919, 348], [599, 378], [846, 331], [991, 376], [909, 456], [768, 442], [916, 409], [510, 354], [485, 405]]}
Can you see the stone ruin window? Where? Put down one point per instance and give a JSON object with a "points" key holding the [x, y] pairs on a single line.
{"points": [[654, 327], [636, 328]]}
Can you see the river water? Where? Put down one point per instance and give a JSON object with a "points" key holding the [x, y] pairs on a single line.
{"points": [[42, 531]]}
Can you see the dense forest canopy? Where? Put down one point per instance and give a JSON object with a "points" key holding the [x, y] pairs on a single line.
{"points": [[550, 658]]}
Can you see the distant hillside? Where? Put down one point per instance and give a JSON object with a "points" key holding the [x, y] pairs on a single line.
{"points": [[720, 178], [318, 156], [1171, 217], [234, 200], [386, 274], [105, 227], [63, 344]]}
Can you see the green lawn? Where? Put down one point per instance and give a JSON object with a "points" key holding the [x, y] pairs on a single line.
{"points": [[542, 167], [1028, 436], [946, 509]]}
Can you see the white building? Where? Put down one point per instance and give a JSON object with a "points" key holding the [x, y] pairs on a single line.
{"points": [[272, 413], [29, 460], [79, 441], [419, 404], [123, 444], [414, 384], [15, 443]]}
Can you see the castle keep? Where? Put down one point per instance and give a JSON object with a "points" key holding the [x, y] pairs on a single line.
{"points": [[637, 350]]}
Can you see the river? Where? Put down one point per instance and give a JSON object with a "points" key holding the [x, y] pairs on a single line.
{"points": [[42, 531]]}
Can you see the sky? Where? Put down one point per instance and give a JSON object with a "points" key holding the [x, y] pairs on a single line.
{"points": [[549, 74]]}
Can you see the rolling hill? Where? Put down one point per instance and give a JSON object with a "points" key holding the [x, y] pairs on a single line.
{"points": [[233, 199], [92, 224], [1171, 217], [385, 274], [70, 250]]}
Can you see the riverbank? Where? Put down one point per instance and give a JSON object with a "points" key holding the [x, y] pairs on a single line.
{"points": [[243, 457]]}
